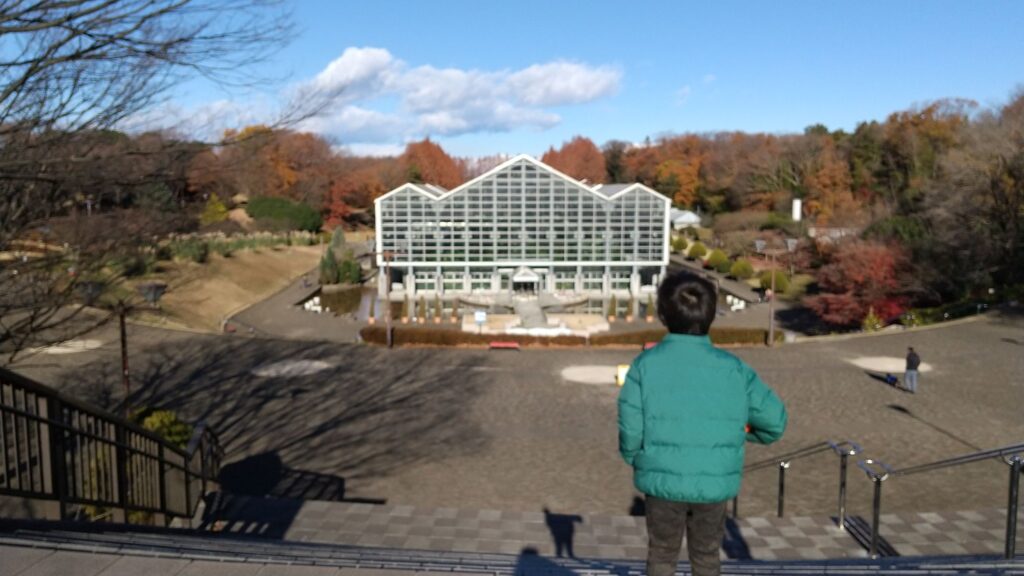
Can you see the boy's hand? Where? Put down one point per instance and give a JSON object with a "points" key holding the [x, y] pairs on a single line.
{"points": [[747, 428]]}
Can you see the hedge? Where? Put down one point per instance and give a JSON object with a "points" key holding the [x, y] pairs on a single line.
{"points": [[720, 336], [427, 336], [296, 215]]}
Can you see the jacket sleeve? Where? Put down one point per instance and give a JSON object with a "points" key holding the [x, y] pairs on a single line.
{"points": [[631, 415], [767, 417]]}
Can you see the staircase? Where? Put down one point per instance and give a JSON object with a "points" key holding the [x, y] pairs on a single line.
{"points": [[97, 552]]}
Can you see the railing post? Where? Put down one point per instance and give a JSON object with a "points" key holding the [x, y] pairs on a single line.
{"points": [[122, 469], [1011, 507], [736, 506], [875, 514], [54, 413], [782, 485], [844, 450], [842, 491], [162, 464]]}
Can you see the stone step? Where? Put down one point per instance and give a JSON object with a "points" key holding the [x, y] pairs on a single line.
{"points": [[595, 535], [91, 550]]}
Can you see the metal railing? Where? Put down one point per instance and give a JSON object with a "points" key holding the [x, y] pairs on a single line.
{"points": [[93, 464], [843, 449], [878, 472]]}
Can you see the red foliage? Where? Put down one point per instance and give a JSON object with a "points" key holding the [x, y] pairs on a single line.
{"points": [[860, 276]]}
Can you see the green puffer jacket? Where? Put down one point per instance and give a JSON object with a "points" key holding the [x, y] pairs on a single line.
{"points": [[683, 411]]}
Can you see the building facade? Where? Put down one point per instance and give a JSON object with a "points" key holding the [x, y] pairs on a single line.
{"points": [[522, 227]]}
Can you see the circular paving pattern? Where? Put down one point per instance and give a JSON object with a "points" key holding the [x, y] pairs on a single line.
{"points": [[890, 364], [291, 368], [72, 347], [600, 375]]}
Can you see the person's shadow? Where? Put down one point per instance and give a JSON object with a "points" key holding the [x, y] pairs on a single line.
{"points": [[563, 529]]}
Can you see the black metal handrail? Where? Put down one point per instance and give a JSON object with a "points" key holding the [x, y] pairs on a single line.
{"points": [[1013, 455], [56, 448], [842, 449]]}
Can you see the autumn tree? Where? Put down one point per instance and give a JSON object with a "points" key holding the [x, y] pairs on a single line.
{"points": [[858, 276], [826, 183], [78, 67], [614, 160], [425, 161], [579, 158]]}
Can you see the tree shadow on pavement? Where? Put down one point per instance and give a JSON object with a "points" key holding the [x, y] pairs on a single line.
{"points": [[359, 413]]}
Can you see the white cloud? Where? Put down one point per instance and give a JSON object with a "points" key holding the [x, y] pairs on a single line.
{"points": [[559, 83], [377, 99], [709, 79], [683, 94]]}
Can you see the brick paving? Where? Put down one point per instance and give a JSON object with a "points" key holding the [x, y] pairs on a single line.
{"points": [[606, 536]]}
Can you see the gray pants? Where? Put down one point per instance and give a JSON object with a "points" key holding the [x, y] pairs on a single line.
{"points": [[667, 521], [910, 380]]}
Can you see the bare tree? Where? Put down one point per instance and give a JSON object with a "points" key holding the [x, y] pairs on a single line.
{"points": [[72, 71]]}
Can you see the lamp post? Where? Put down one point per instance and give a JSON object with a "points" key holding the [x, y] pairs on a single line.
{"points": [[387, 255], [761, 247]]}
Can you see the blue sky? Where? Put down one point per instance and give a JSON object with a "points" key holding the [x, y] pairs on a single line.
{"points": [[517, 77]]}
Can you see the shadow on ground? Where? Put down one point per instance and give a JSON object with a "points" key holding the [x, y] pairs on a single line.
{"points": [[308, 433]]}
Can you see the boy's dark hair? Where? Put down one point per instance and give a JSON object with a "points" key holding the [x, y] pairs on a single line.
{"points": [[687, 303]]}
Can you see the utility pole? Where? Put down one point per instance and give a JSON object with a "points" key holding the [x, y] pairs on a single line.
{"points": [[387, 255], [771, 307], [122, 311]]}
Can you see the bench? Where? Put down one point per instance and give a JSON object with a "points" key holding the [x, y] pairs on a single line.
{"points": [[504, 345]]}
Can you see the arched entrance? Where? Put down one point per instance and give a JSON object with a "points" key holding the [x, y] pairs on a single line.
{"points": [[525, 281]]}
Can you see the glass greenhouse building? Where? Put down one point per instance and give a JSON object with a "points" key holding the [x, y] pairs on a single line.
{"points": [[522, 227]]}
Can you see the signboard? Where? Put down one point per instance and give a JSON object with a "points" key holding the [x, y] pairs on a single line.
{"points": [[480, 317]]}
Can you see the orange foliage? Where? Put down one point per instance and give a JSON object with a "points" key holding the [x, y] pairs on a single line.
{"points": [[427, 162], [579, 158]]}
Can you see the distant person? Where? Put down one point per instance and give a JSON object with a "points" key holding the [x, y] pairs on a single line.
{"points": [[910, 377], [686, 411]]}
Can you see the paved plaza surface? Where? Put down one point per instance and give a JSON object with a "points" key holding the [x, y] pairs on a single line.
{"points": [[476, 430]]}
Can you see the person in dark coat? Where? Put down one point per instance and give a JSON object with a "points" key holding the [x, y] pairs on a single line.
{"points": [[910, 377]]}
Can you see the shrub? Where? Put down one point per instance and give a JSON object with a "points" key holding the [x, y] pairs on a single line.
{"points": [[781, 281], [719, 261], [349, 272], [697, 250], [225, 249], [741, 269], [290, 215], [720, 336], [215, 211], [871, 322], [330, 273], [192, 249], [338, 240], [165, 424], [679, 244]]}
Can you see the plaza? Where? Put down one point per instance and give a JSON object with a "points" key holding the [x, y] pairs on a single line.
{"points": [[473, 429]]}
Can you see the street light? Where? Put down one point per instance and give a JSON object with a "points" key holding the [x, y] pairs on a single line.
{"points": [[387, 254], [761, 247]]}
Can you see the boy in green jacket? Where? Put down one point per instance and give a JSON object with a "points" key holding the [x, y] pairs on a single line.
{"points": [[685, 413]]}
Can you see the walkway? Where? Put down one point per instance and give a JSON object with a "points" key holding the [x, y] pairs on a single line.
{"points": [[531, 315]]}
